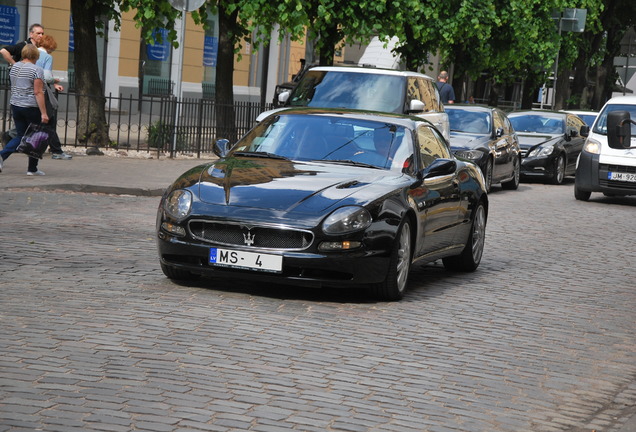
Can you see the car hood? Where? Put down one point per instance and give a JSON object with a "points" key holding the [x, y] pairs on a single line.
{"points": [[464, 141], [528, 140], [290, 186]]}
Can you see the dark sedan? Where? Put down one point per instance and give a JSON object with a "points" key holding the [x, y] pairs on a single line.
{"points": [[326, 198], [550, 143], [485, 136]]}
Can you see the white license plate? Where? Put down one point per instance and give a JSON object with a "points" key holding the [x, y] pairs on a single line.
{"points": [[246, 260], [618, 176]]}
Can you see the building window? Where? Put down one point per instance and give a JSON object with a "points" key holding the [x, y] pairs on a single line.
{"points": [[156, 60]]}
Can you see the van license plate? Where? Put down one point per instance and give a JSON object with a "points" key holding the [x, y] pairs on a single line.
{"points": [[246, 260], [618, 176]]}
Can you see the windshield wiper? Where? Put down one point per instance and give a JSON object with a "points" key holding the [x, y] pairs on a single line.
{"points": [[260, 154], [350, 162]]}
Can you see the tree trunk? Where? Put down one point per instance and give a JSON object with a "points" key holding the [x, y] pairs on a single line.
{"points": [[91, 115], [224, 98]]}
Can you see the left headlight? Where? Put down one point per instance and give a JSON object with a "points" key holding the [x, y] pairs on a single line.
{"points": [[541, 151], [347, 220], [178, 204]]}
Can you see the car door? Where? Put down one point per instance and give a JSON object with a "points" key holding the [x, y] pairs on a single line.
{"points": [[438, 198], [504, 142], [574, 146]]}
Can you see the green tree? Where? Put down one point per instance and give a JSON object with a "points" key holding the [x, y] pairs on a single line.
{"points": [[88, 19]]}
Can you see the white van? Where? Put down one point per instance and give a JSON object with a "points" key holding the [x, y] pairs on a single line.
{"points": [[607, 163]]}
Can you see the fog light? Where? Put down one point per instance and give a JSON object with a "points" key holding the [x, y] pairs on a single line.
{"points": [[173, 229], [338, 246]]}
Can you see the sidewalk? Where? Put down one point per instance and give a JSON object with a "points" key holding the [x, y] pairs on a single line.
{"points": [[122, 175]]}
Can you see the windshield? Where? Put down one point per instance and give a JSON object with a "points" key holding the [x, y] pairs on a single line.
{"points": [[600, 126], [329, 138], [462, 120], [334, 89], [538, 123]]}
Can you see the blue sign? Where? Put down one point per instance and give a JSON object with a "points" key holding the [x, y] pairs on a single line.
{"points": [[9, 25], [210, 51], [159, 51], [71, 36]]}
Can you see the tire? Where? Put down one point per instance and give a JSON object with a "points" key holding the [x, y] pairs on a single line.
{"points": [[470, 257], [559, 170], [394, 285], [488, 175], [580, 194], [178, 274], [513, 184]]}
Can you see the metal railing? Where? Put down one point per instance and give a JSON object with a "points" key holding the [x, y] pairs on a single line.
{"points": [[150, 124]]}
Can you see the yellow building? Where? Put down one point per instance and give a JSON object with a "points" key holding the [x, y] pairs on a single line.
{"points": [[129, 67]]}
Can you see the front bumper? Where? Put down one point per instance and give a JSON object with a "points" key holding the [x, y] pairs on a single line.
{"points": [[537, 167], [352, 268], [592, 176]]}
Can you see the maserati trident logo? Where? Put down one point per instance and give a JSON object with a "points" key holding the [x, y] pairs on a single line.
{"points": [[248, 238]]}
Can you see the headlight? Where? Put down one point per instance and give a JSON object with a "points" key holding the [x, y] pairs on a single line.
{"points": [[541, 151], [178, 204], [470, 154], [346, 220], [592, 146]]}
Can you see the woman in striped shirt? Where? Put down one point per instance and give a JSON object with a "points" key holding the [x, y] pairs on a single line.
{"points": [[27, 101]]}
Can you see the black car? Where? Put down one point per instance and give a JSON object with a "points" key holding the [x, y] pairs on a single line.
{"points": [[321, 197], [485, 136], [550, 143]]}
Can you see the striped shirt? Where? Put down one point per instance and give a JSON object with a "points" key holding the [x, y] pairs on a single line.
{"points": [[22, 76]]}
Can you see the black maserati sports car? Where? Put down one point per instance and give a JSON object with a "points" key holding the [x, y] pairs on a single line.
{"points": [[325, 197]]}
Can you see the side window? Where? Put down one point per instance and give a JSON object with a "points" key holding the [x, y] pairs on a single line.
{"points": [[499, 122], [432, 146], [430, 97], [575, 123], [412, 90]]}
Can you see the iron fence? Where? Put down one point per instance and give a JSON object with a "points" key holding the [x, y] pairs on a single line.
{"points": [[162, 124]]}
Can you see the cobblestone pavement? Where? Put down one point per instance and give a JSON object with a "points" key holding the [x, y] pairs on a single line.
{"points": [[94, 338]]}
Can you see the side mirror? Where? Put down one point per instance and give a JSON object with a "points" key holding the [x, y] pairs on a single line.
{"points": [[585, 131], [499, 132], [221, 147], [439, 167], [283, 97], [619, 129], [416, 106]]}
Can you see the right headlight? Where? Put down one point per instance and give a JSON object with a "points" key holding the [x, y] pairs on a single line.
{"points": [[470, 154], [592, 146], [178, 204]]}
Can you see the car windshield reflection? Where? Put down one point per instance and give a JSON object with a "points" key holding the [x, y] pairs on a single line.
{"points": [[601, 125], [468, 121], [328, 138], [537, 124]]}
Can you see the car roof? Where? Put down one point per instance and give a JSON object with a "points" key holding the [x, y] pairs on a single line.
{"points": [[538, 113], [470, 107], [625, 100], [406, 121], [368, 70]]}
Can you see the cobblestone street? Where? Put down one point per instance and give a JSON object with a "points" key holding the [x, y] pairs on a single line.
{"points": [[541, 338]]}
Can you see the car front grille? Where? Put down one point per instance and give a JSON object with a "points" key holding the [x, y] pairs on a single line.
{"points": [[606, 168], [261, 237]]}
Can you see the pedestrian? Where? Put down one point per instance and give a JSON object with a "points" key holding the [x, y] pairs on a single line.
{"points": [[446, 91], [27, 102], [13, 54], [46, 46]]}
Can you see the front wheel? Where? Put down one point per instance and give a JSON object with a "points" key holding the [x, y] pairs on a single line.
{"points": [[559, 170], [394, 285], [580, 194], [178, 274], [470, 257]]}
